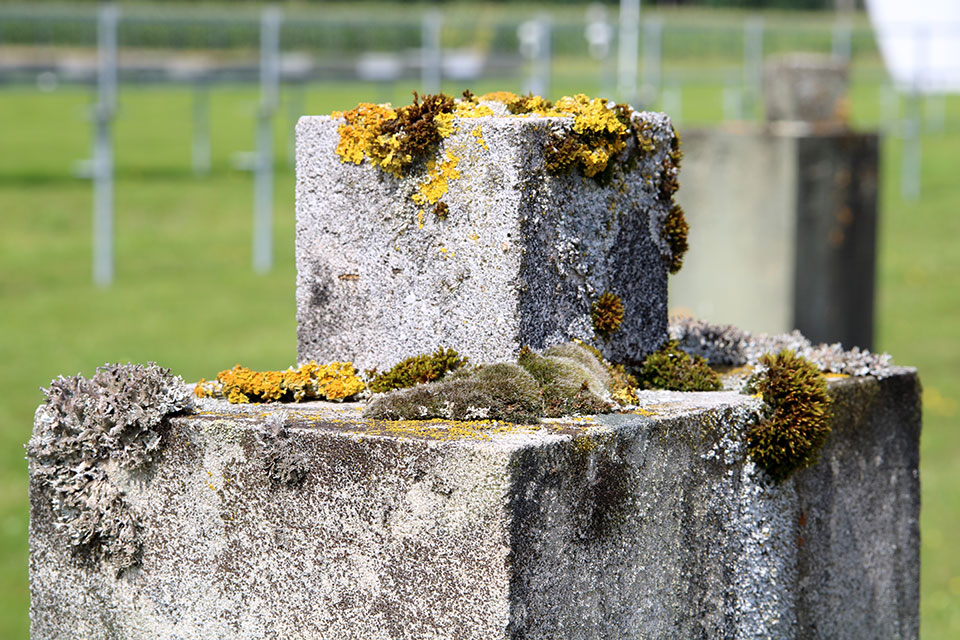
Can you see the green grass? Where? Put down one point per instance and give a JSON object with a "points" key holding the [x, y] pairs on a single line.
{"points": [[186, 297]]}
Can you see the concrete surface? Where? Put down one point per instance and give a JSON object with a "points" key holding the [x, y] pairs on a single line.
{"points": [[651, 524], [519, 260], [783, 227]]}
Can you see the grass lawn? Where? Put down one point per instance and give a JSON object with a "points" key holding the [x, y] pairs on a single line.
{"points": [[185, 294]]}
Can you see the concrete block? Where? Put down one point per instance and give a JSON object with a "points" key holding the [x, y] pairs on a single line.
{"points": [[653, 524], [806, 87], [783, 228], [518, 261]]}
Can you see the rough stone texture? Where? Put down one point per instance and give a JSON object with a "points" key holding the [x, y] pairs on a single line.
{"points": [[519, 260], [805, 87], [642, 525], [783, 231]]}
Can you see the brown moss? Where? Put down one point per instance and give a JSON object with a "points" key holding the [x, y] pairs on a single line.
{"points": [[606, 313], [674, 232], [796, 426], [441, 210]]}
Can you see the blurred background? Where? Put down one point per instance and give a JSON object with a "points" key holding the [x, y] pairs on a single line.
{"points": [[147, 177]]}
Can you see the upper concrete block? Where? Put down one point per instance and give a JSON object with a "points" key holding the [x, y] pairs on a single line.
{"points": [[519, 259], [654, 524]]}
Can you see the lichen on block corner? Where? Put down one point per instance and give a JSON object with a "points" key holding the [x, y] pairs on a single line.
{"points": [[519, 249]]}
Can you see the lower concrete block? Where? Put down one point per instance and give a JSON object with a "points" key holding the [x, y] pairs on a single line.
{"points": [[652, 524]]}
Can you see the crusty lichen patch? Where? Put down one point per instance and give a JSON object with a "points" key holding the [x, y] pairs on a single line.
{"points": [[117, 417], [334, 381]]}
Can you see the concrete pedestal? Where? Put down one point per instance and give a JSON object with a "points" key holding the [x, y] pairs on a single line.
{"points": [[652, 524], [783, 225]]}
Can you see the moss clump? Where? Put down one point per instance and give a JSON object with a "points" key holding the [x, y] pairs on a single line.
{"points": [[670, 368], [796, 425], [489, 392], [334, 381], [420, 369], [567, 386], [607, 313], [441, 210], [674, 233]]}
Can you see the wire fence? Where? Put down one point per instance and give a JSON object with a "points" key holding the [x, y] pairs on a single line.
{"points": [[652, 60]]}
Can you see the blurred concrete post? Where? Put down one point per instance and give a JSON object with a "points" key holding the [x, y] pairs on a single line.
{"points": [[534, 36], [431, 71], [104, 113], [752, 65], [200, 150], [599, 35], [263, 179], [652, 59], [628, 47]]}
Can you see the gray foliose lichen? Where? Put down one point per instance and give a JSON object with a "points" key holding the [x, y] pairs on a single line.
{"points": [[285, 465], [114, 419], [729, 345]]}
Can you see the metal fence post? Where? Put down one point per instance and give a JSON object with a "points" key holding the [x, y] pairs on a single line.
{"points": [[263, 178], [752, 65], [431, 73], [652, 53], [103, 269], [627, 48]]}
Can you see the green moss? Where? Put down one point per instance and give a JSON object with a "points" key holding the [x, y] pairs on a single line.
{"points": [[607, 313], [567, 386], [501, 391], [796, 426], [591, 359], [416, 370], [621, 384], [674, 232], [671, 368]]}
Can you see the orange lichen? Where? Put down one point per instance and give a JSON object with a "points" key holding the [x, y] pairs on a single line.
{"points": [[361, 127], [311, 381]]}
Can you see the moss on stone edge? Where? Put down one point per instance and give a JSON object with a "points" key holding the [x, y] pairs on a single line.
{"points": [[566, 385], [419, 369], [670, 368], [796, 424], [119, 415], [674, 232], [502, 391], [565, 380]]}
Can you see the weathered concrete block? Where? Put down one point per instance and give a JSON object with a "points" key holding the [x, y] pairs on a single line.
{"points": [[519, 259], [646, 525], [793, 250], [806, 87]]}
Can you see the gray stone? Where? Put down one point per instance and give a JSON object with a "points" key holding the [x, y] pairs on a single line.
{"points": [[652, 524], [519, 260], [783, 231], [806, 87]]}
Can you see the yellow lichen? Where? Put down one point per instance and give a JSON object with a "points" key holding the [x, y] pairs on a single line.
{"points": [[437, 182], [478, 134], [311, 381], [360, 129], [499, 96], [471, 110]]}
